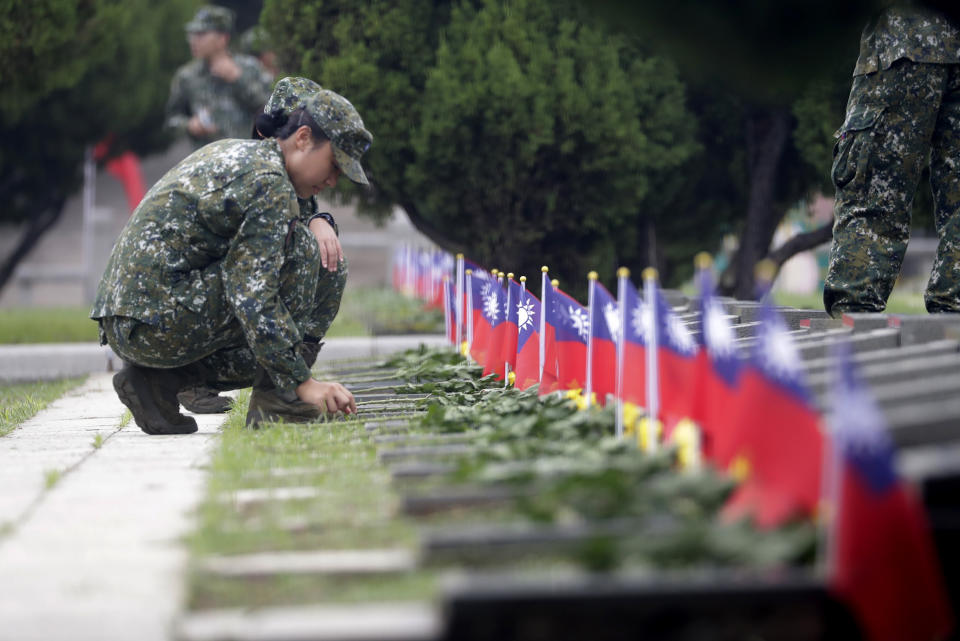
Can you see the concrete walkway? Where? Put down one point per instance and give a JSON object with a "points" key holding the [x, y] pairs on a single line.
{"points": [[98, 555], [91, 538]]}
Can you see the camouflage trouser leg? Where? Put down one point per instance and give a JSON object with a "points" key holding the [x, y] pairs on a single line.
{"points": [[943, 290], [882, 148], [213, 339]]}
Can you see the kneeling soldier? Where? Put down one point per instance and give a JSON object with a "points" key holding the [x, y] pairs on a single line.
{"points": [[216, 281]]}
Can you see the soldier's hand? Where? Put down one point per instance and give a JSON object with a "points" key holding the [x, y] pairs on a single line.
{"points": [[328, 396], [224, 67], [198, 130], [331, 253]]}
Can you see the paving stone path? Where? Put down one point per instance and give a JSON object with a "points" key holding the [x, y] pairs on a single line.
{"points": [[98, 554]]}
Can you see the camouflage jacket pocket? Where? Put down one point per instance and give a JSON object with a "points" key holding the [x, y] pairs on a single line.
{"points": [[854, 143], [201, 291]]}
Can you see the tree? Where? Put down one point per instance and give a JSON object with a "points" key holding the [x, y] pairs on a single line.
{"points": [[518, 132], [768, 56], [74, 73]]}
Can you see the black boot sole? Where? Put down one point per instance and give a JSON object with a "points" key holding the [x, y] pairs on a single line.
{"points": [[134, 392]]}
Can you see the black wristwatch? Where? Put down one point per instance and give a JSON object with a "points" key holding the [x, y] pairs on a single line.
{"points": [[327, 216]]}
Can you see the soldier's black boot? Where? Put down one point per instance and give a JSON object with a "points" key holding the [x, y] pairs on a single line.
{"points": [[269, 404], [151, 396], [201, 399]]}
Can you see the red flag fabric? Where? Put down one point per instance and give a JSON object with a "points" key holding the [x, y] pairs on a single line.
{"points": [[549, 376], [776, 431], [884, 564], [676, 363], [636, 322], [511, 330], [570, 325], [717, 369], [495, 314], [602, 344], [484, 302], [528, 341]]}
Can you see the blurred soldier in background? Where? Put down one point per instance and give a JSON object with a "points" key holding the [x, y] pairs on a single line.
{"points": [[903, 110], [219, 93]]}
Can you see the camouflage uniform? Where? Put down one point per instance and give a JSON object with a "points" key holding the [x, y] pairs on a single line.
{"points": [[903, 111], [229, 106], [216, 267]]}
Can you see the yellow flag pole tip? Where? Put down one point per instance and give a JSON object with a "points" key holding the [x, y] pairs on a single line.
{"points": [[555, 282], [703, 260], [494, 271], [544, 269], [460, 256], [649, 274], [469, 271], [766, 269], [523, 279], [593, 276], [623, 272], [510, 275]]}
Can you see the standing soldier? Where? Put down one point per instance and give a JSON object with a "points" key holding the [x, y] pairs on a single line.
{"points": [[903, 111], [216, 278], [217, 94]]}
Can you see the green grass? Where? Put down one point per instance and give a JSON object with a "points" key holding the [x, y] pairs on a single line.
{"points": [[355, 508], [46, 325], [21, 401], [900, 302], [363, 311]]}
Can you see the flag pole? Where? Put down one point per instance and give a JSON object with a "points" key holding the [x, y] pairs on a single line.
{"points": [[591, 292], [446, 306], [468, 278], [506, 315], [653, 387], [458, 298], [543, 316], [622, 275]]}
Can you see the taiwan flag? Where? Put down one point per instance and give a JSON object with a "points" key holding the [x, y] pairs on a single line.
{"points": [[508, 352], [493, 362], [528, 341], [602, 342], [635, 323], [775, 431], [676, 361], [549, 375], [883, 562], [570, 325], [482, 286], [717, 369]]}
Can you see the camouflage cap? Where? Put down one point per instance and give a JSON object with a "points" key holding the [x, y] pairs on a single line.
{"points": [[340, 121], [211, 18], [289, 93]]}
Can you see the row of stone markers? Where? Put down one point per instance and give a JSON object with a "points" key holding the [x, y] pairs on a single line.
{"points": [[532, 522]]}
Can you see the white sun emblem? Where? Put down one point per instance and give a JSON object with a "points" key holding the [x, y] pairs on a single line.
{"points": [[611, 314], [491, 307], [524, 315], [641, 320], [779, 354], [579, 321], [680, 336], [718, 332]]}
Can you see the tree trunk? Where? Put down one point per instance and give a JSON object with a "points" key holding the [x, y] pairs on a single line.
{"points": [[36, 228], [767, 134], [431, 231], [801, 242]]}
